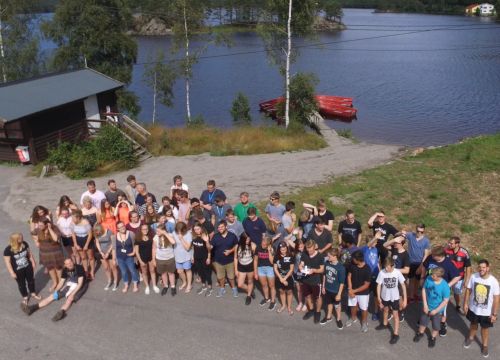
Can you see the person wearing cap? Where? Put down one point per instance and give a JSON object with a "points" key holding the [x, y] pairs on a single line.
{"points": [[274, 211], [320, 235], [240, 210]]}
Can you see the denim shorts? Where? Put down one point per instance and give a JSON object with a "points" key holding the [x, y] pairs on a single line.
{"points": [[266, 271], [186, 265]]}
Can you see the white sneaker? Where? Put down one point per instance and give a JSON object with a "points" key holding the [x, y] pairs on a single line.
{"points": [[146, 290], [156, 289], [108, 286], [115, 287]]}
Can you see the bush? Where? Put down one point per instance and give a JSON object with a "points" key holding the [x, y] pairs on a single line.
{"points": [[79, 160], [240, 110]]}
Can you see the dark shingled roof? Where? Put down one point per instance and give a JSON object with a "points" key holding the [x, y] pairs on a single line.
{"points": [[22, 98]]}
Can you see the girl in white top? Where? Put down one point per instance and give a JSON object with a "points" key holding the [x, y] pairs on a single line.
{"points": [[389, 280], [65, 225], [163, 257]]}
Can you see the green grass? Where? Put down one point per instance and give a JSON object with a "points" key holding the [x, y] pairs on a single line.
{"points": [[454, 190], [234, 141]]}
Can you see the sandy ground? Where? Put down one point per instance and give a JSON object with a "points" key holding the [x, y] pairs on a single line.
{"points": [[257, 174]]}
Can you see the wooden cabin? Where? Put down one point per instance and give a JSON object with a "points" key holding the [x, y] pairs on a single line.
{"points": [[43, 111]]}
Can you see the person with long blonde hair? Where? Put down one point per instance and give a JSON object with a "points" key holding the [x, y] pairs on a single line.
{"points": [[21, 265], [164, 258]]}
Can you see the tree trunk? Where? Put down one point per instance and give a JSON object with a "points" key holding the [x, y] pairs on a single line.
{"points": [[187, 68], [154, 98], [287, 96], [2, 53]]}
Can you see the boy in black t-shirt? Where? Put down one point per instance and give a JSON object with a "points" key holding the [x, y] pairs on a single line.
{"points": [[71, 286], [312, 267], [358, 289]]}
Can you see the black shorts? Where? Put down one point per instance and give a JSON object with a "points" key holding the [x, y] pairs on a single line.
{"points": [[245, 268], [313, 290], [392, 305], [281, 286], [67, 241], [330, 298], [81, 240], [484, 321], [413, 271]]}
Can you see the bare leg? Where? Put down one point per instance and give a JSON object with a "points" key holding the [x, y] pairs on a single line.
{"points": [[171, 278], [395, 313], [250, 283], [114, 270], [107, 270], [265, 288], [282, 300], [241, 281], [182, 276], [152, 272], [272, 287], [144, 271], [84, 259], [53, 278], [289, 299], [485, 336], [189, 277], [90, 255]]}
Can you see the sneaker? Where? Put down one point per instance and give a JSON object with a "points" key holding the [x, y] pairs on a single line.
{"points": [[164, 291], [173, 291], [220, 292], [317, 316], [235, 292], [364, 327], [375, 317], [394, 339], [147, 291], [264, 302], [272, 306], [253, 294], [108, 286], [381, 327], [349, 322], [443, 330], [61, 314], [115, 287], [201, 290], [418, 336], [156, 289], [209, 292], [402, 316], [28, 309], [484, 352], [308, 315], [340, 326], [248, 300], [467, 343], [389, 318], [432, 342], [325, 321]]}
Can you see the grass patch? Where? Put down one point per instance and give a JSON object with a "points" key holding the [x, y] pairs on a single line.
{"points": [[453, 190], [345, 133], [234, 141]]}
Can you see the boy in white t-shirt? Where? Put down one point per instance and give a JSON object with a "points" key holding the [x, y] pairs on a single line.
{"points": [[481, 303], [389, 281]]}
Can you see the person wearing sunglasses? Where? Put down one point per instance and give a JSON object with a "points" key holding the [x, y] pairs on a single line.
{"points": [[419, 248]]}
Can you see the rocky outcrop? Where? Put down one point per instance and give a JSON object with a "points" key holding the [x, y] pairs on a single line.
{"points": [[149, 26], [323, 24]]}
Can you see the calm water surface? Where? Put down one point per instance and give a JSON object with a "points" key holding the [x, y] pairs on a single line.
{"points": [[425, 88]]}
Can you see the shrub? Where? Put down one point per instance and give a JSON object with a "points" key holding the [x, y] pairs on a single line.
{"points": [[240, 110]]}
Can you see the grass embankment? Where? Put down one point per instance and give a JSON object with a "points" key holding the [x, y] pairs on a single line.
{"points": [[234, 141], [454, 190]]}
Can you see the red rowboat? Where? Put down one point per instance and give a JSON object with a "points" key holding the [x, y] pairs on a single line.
{"points": [[338, 111]]}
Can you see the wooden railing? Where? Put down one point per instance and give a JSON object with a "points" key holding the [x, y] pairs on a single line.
{"points": [[72, 133]]}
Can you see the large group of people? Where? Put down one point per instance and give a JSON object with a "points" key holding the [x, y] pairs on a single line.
{"points": [[181, 240]]}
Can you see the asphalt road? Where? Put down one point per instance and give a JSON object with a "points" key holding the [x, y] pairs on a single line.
{"points": [[107, 325]]}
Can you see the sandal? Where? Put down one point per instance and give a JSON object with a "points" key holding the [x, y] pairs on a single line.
{"points": [[290, 312], [182, 286], [280, 310], [304, 308], [188, 289], [125, 289], [299, 307]]}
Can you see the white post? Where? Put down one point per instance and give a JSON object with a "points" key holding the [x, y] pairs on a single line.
{"points": [[154, 98], [188, 109], [2, 53], [287, 96]]}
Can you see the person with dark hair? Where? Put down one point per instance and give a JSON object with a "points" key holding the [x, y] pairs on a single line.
{"points": [[64, 223], [298, 276], [224, 245], [21, 265], [39, 214], [370, 254], [459, 256], [378, 224], [71, 286], [134, 223], [254, 226], [123, 255], [333, 285], [389, 280], [202, 258], [322, 212], [81, 232], [312, 267], [65, 202], [283, 268], [163, 258], [219, 210], [450, 275], [130, 189], [108, 220], [233, 224], [184, 207], [321, 236], [240, 210], [419, 248], [113, 192], [274, 212], [347, 249], [199, 217], [104, 240], [401, 261], [435, 297], [244, 266], [143, 248], [481, 304], [95, 195], [178, 185], [350, 226], [287, 227], [358, 289], [183, 251], [208, 196]]}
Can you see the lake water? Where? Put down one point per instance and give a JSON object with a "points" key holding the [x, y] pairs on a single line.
{"points": [[436, 85]]}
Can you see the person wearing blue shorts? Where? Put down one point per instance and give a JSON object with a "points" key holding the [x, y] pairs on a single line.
{"points": [[263, 264]]}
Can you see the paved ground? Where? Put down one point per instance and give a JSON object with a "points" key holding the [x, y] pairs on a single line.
{"points": [[105, 325]]}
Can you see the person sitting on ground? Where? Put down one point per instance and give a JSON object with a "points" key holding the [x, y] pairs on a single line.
{"points": [[321, 211], [389, 280], [72, 286], [240, 210], [481, 304], [435, 297], [350, 226]]}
